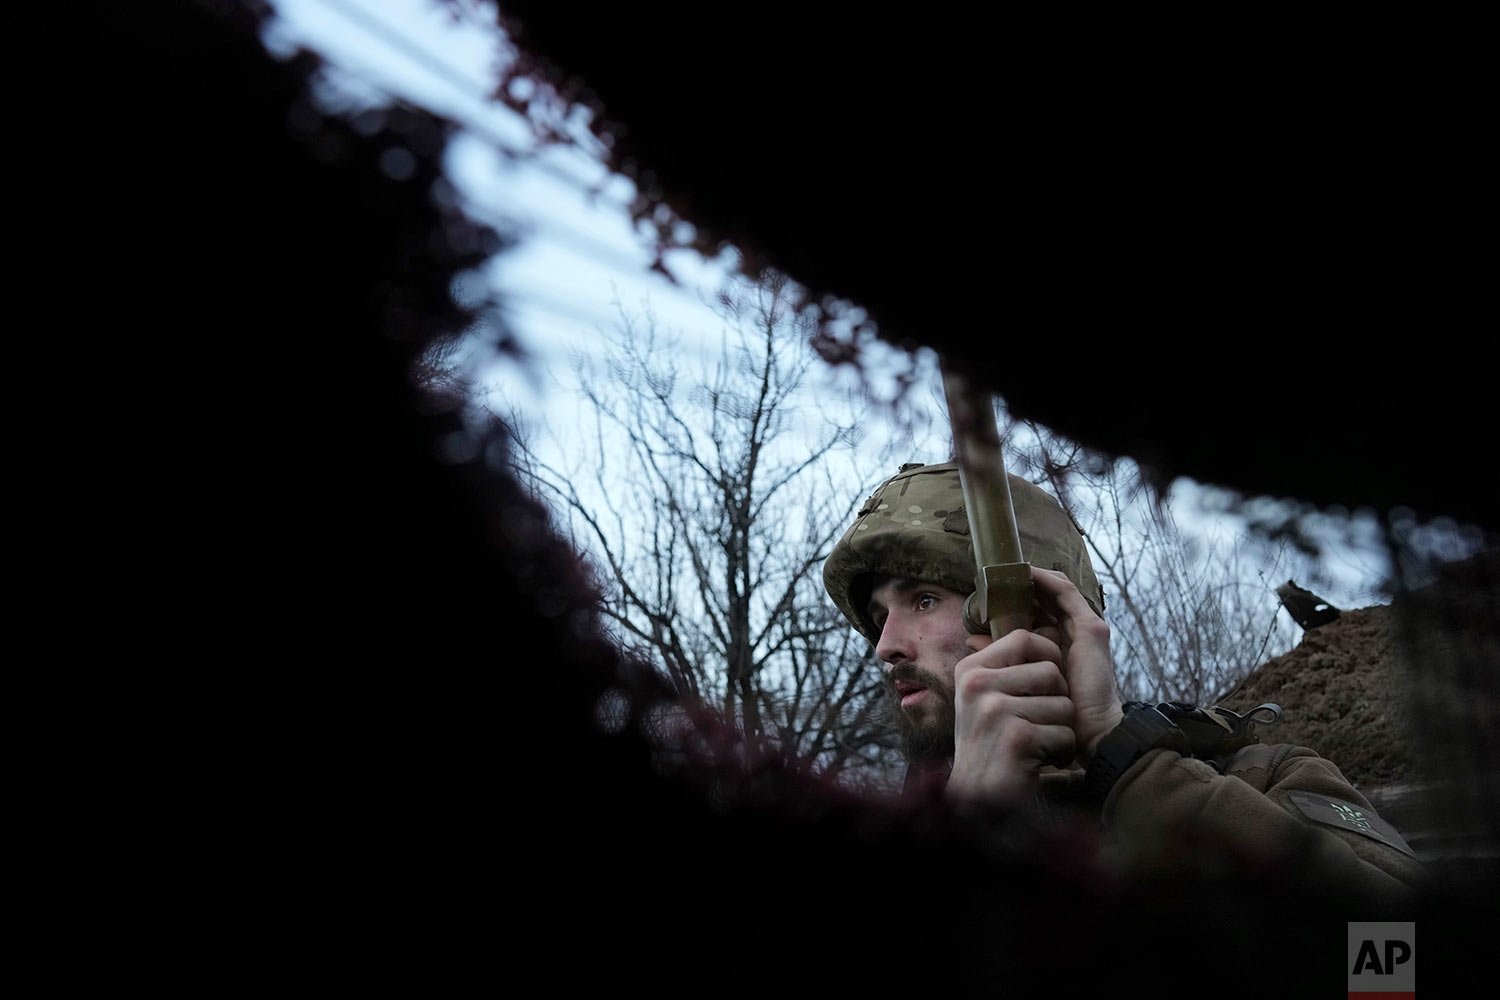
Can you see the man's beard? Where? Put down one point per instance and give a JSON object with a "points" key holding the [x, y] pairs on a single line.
{"points": [[930, 739]]}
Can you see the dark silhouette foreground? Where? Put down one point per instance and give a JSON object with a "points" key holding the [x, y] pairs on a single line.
{"points": [[377, 754]]}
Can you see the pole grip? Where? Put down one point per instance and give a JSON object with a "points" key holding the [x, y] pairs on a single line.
{"points": [[1002, 598]]}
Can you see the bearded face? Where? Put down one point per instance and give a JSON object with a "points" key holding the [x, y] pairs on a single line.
{"points": [[922, 638], [926, 719]]}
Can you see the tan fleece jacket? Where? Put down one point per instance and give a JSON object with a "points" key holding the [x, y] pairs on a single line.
{"points": [[1277, 808]]}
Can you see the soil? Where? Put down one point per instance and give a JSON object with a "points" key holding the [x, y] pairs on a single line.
{"points": [[1405, 700], [1340, 693]]}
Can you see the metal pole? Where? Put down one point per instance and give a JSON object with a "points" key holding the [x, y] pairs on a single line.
{"points": [[1002, 580]]}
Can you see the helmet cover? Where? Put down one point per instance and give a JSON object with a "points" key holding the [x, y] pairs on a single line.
{"points": [[914, 526]]}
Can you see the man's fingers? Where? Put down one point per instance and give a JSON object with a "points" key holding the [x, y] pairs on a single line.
{"points": [[1019, 646], [1058, 745], [999, 709], [1061, 591], [1046, 710], [1019, 680], [1046, 743]]}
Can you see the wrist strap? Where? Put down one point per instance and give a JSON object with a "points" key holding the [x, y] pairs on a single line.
{"points": [[1142, 730]]}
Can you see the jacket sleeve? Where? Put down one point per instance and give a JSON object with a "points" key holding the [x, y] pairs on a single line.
{"points": [[1276, 810]]}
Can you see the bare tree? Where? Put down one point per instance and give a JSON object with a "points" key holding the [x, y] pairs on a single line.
{"points": [[709, 502], [1190, 616]]}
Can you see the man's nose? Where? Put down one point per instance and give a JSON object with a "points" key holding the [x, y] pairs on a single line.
{"points": [[895, 642]]}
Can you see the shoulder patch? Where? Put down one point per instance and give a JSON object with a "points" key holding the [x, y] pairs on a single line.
{"points": [[1347, 816]]}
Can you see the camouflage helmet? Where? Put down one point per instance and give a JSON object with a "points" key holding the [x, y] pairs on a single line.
{"points": [[914, 526]]}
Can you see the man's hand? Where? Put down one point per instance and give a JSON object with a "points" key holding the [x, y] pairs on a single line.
{"points": [[1033, 698], [1083, 638], [1012, 716]]}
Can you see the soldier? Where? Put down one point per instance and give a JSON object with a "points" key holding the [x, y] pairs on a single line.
{"points": [[1034, 719]]}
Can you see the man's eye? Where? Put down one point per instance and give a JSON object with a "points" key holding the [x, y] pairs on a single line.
{"points": [[925, 601]]}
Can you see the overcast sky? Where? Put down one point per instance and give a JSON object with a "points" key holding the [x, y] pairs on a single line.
{"points": [[579, 254], [578, 250]]}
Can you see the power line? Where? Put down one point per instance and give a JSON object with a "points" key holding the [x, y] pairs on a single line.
{"points": [[547, 230], [395, 40]]}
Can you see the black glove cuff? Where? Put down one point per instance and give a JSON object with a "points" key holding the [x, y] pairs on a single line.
{"points": [[1143, 729]]}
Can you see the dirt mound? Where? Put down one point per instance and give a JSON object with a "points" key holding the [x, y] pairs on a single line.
{"points": [[1340, 692], [1405, 699]]}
